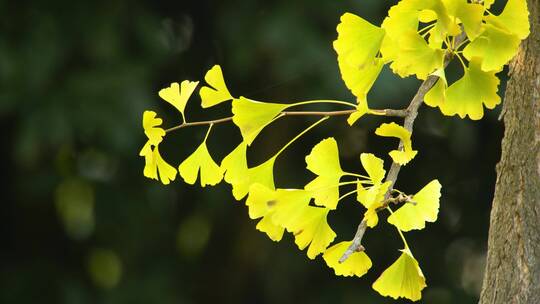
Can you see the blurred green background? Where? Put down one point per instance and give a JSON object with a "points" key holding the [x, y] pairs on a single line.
{"points": [[80, 224]]}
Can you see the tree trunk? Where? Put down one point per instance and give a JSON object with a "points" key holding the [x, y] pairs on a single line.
{"points": [[513, 260]]}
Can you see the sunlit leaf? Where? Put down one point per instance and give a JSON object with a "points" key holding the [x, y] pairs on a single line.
{"points": [[403, 279], [252, 116], [150, 126], [155, 164], [423, 208], [312, 229], [395, 130], [217, 92], [262, 174], [416, 56], [201, 161], [494, 46], [357, 264], [466, 96], [358, 41], [514, 18], [324, 161], [178, 94]]}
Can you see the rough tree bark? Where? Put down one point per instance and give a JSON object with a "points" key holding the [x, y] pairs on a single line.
{"points": [[513, 261]]}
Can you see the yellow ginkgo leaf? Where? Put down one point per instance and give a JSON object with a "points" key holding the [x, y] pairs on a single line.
{"points": [[235, 165], [260, 200], [402, 17], [423, 208], [415, 56], [312, 229], [356, 264], [358, 41], [201, 161], [436, 96], [252, 116], [361, 110], [178, 94], [374, 167], [274, 232], [514, 18], [288, 206], [471, 15], [324, 161], [403, 279], [494, 46], [372, 198], [218, 92], [262, 174], [151, 130], [155, 164], [395, 130], [476, 87], [360, 79]]}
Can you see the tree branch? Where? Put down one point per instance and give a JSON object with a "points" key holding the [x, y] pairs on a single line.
{"points": [[412, 112], [384, 112]]}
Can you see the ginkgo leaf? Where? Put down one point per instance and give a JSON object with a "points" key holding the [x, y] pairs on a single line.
{"points": [[217, 92], [466, 96], [274, 232], [471, 15], [424, 208], [374, 167], [514, 18], [357, 264], [262, 174], [155, 164], [235, 164], [360, 79], [372, 198], [289, 205], [436, 96], [324, 161], [178, 94], [402, 18], [403, 279], [361, 110], [151, 130], [395, 130], [260, 200], [495, 46], [415, 56], [444, 26], [252, 116], [201, 161], [312, 229], [358, 41]]}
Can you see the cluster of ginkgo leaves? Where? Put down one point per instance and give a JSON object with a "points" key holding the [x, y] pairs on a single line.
{"points": [[416, 38]]}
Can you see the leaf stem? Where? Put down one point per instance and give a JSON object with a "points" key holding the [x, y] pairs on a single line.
{"points": [[322, 101], [399, 231]]}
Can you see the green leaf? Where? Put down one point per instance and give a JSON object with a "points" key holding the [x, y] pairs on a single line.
{"points": [[403, 279], [495, 46], [252, 116], [423, 208], [217, 92], [324, 161]]}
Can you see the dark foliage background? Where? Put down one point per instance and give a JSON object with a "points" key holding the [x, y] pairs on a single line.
{"points": [[80, 224]]}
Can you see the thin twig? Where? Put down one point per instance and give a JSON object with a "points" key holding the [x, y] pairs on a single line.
{"points": [[384, 112], [412, 112]]}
